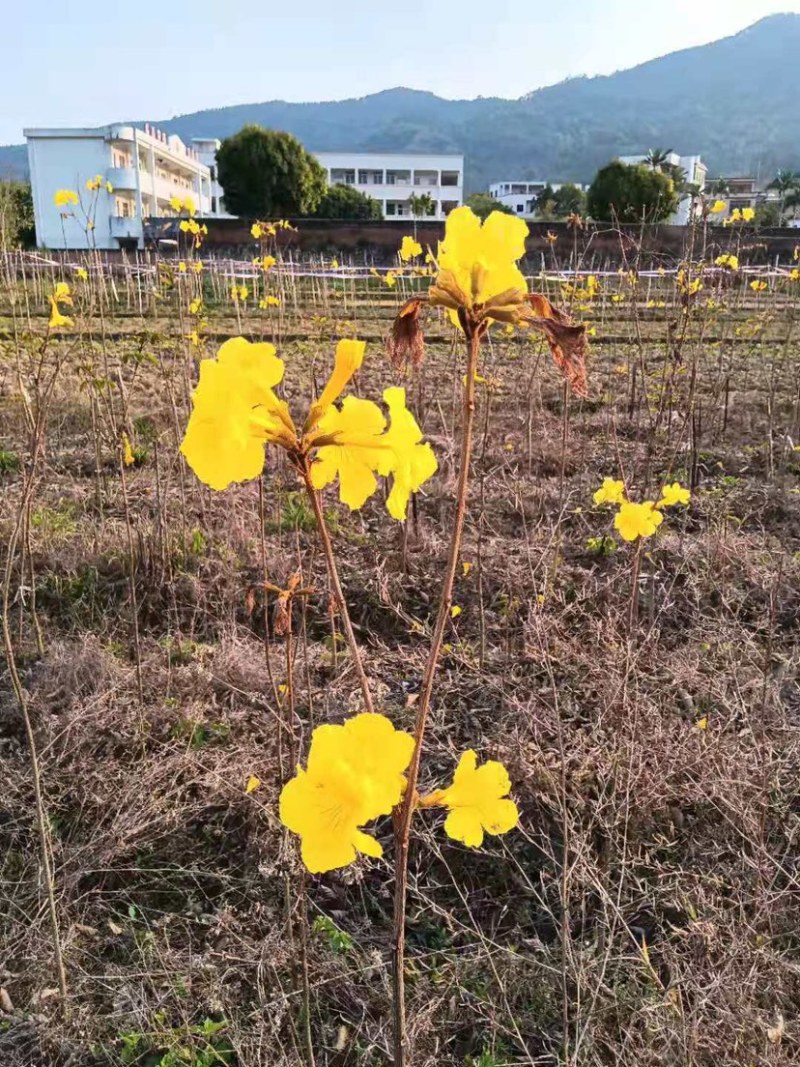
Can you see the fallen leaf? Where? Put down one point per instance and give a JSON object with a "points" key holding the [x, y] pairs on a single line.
{"points": [[252, 784], [776, 1032]]}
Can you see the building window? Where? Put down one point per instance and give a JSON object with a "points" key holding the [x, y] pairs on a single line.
{"points": [[451, 177], [340, 176], [427, 178], [370, 177], [520, 208], [448, 206], [398, 177], [390, 206], [213, 205], [213, 174]]}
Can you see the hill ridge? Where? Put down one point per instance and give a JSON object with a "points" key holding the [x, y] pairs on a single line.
{"points": [[725, 100]]}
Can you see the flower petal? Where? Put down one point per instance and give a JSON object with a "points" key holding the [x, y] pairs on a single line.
{"points": [[367, 844], [349, 357], [463, 824]]}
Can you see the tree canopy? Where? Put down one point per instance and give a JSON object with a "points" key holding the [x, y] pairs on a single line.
{"points": [[17, 228], [345, 202], [631, 194], [268, 173], [483, 205], [569, 200]]}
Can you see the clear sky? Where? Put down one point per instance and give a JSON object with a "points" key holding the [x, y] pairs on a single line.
{"points": [[65, 62]]}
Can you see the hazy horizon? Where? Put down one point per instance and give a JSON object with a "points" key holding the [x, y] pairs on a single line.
{"points": [[187, 60]]}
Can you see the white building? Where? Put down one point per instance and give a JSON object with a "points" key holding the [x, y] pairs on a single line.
{"points": [[145, 169], [694, 169], [206, 149], [391, 178], [521, 195]]}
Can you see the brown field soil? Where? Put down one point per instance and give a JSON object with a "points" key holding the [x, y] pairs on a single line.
{"points": [[645, 912]]}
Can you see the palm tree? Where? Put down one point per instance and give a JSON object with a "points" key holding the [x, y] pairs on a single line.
{"points": [[791, 202], [785, 182], [657, 157], [420, 205], [718, 186]]}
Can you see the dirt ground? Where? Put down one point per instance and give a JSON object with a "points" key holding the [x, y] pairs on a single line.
{"points": [[647, 909]]}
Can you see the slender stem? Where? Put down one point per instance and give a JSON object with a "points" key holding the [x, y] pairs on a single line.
{"points": [[16, 683], [406, 812], [132, 585], [341, 603], [305, 1011], [633, 603]]}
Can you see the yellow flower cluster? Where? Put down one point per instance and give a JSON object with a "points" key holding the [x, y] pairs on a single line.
{"points": [[98, 182], [61, 295], [179, 205], [269, 229], [477, 801], [65, 197], [478, 272], [639, 520], [269, 301], [745, 214], [128, 457], [728, 260], [264, 262], [410, 248], [239, 293], [236, 413], [686, 285], [196, 229], [758, 285], [717, 207], [355, 773]]}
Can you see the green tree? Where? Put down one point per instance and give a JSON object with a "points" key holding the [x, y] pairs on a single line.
{"points": [[786, 183], [268, 173], [569, 200], [769, 213], [483, 205], [631, 194], [421, 205], [545, 201], [345, 202], [17, 228]]}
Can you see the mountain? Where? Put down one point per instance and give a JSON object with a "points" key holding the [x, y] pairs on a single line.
{"points": [[733, 101]]}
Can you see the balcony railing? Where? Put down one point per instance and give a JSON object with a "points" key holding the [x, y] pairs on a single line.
{"points": [[122, 177], [125, 227]]}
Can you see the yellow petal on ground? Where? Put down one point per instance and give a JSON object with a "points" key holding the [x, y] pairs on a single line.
{"points": [[252, 784]]}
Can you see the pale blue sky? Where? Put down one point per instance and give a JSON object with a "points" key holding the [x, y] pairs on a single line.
{"points": [[66, 62]]}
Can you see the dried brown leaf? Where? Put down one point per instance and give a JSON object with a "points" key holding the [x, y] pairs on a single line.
{"points": [[567, 341]]}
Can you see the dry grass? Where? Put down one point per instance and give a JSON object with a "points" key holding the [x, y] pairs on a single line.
{"points": [[647, 910]]}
